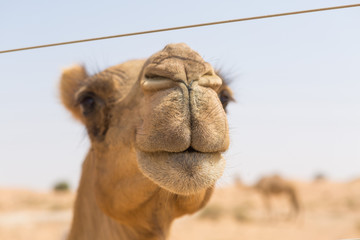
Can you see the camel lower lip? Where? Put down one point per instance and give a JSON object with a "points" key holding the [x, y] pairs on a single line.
{"points": [[182, 173]]}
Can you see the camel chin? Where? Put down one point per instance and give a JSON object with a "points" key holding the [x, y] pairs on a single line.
{"points": [[182, 173]]}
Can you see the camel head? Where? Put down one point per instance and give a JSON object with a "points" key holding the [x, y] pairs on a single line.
{"points": [[159, 121]]}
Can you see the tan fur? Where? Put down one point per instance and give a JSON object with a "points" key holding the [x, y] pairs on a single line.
{"points": [[157, 131], [274, 185], [71, 80]]}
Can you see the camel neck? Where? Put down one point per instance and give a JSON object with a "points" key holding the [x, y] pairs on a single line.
{"points": [[91, 223]]}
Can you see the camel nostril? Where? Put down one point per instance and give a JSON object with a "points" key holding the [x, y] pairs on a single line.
{"points": [[211, 81], [155, 84]]}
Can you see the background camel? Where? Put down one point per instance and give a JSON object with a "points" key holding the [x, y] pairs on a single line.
{"points": [[157, 129], [270, 186]]}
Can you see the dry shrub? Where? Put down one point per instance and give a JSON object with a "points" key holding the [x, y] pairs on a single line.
{"points": [[58, 207], [357, 225], [240, 213], [32, 201], [351, 203], [213, 212]]}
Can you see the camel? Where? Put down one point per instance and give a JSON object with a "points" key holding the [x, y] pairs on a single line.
{"points": [[275, 185], [157, 129]]}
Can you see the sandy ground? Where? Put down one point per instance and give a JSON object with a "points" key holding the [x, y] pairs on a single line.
{"points": [[330, 210]]}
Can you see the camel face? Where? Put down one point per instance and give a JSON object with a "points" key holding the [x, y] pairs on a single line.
{"points": [[162, 120], [157, 129], [184, 128]]}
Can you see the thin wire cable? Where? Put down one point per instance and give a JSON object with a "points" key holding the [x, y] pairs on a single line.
{"points": [[182, 27]]}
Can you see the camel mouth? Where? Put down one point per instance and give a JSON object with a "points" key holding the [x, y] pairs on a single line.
{"points": [[183, 173], [190, 150]]}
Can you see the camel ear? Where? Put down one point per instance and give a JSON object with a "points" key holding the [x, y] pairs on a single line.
{"points": [[72, 79]]}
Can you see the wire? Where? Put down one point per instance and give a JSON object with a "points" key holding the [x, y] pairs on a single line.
{"points": [[181, 27]]}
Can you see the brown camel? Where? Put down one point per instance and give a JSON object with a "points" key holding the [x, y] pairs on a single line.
{"points": [[158, 129], [274, 186]]}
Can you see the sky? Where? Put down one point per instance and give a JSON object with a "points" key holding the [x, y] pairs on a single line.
{"points": [[296, 81]]}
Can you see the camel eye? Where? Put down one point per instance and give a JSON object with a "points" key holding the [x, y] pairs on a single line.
{"points": [[224, 98], [87, 104]]}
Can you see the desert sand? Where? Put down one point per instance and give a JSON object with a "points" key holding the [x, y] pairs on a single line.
{"points": [[329, 210]]}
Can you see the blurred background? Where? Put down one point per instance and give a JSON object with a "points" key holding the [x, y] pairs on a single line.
{"points": [[296, 81]]}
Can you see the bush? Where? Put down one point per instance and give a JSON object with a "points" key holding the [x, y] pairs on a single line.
{"points": [[319, 177], [61, 186], [212, 212]]}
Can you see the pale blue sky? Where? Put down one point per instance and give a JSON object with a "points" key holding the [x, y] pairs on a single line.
{"points": [[296, 81]]}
